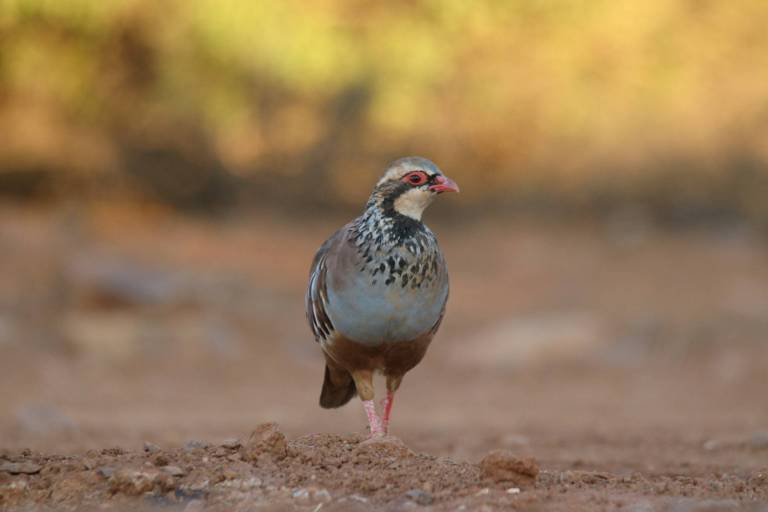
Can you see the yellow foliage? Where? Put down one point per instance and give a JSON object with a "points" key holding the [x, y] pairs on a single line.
{"points": [[560, 92]]}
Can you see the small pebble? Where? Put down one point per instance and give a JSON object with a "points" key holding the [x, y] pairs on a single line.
{"points": [[194, 506], [20, 468], [231, 444], [200, 486], [194, 444], [513, 490], [150, 447], [174, 470], [105, 471], [420, 497], [323, 495]]}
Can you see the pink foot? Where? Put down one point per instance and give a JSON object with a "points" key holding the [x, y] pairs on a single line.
{"points": [[373, 419], [386, 404]]}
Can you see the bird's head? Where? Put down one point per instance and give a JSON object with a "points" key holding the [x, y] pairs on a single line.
{"points": [[409, 185]]}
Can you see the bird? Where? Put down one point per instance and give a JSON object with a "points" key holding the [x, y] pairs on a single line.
{"points": [[378, 289]]}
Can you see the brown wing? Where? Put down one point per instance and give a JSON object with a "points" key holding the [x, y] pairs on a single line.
{"points": [[317, 291]]}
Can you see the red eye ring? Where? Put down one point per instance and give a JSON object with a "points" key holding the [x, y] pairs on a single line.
{"points": [[416, 178]]}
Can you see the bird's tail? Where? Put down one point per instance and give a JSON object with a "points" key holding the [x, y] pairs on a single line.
{"points": [[338, 388]]}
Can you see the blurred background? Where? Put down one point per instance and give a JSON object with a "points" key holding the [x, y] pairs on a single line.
{"points": [[167, 170]]}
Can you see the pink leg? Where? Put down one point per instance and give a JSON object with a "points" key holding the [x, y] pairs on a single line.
{"points": [[387, 405], [373, 419]]}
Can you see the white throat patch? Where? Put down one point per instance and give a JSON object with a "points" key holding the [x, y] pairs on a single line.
{"points": [[412, 203]]}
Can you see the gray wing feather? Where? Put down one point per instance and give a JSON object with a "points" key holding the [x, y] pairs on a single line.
{"points": [[317, 292]]}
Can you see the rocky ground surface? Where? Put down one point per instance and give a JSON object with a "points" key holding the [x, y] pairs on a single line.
{"points": [[609, 367], [349, 472]]}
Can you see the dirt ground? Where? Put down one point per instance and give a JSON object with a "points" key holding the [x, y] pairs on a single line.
{"points": [[605, 367]]}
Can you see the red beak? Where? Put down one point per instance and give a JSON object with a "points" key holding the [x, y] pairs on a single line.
{"points": [[444, 184]]}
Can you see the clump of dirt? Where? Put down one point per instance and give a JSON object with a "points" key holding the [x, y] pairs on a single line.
{"points": [[265, 442], [336, 472], [502, 466]]}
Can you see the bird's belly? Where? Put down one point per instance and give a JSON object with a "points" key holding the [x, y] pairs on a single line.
{"points": [[372, 315]]}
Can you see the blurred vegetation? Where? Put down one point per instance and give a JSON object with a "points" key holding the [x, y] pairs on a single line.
{"points": [[563, 106]]}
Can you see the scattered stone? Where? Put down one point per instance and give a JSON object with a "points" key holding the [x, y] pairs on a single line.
{"points": [[194, 444], [419, 497], [243, 485], [131, 483], [150, 447], [265, 442], [189, 494], [134, 483], [20, 468], [174, 471], [194, 506], [200, 486], [231, 444], [105, 471], [759, 478], [502, 466], [322, 495]]}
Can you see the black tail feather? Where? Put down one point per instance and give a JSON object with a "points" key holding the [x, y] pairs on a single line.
{"points": [[338, 388]]}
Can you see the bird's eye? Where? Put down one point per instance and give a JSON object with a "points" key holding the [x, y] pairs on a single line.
{"points": [[416, 178]]}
